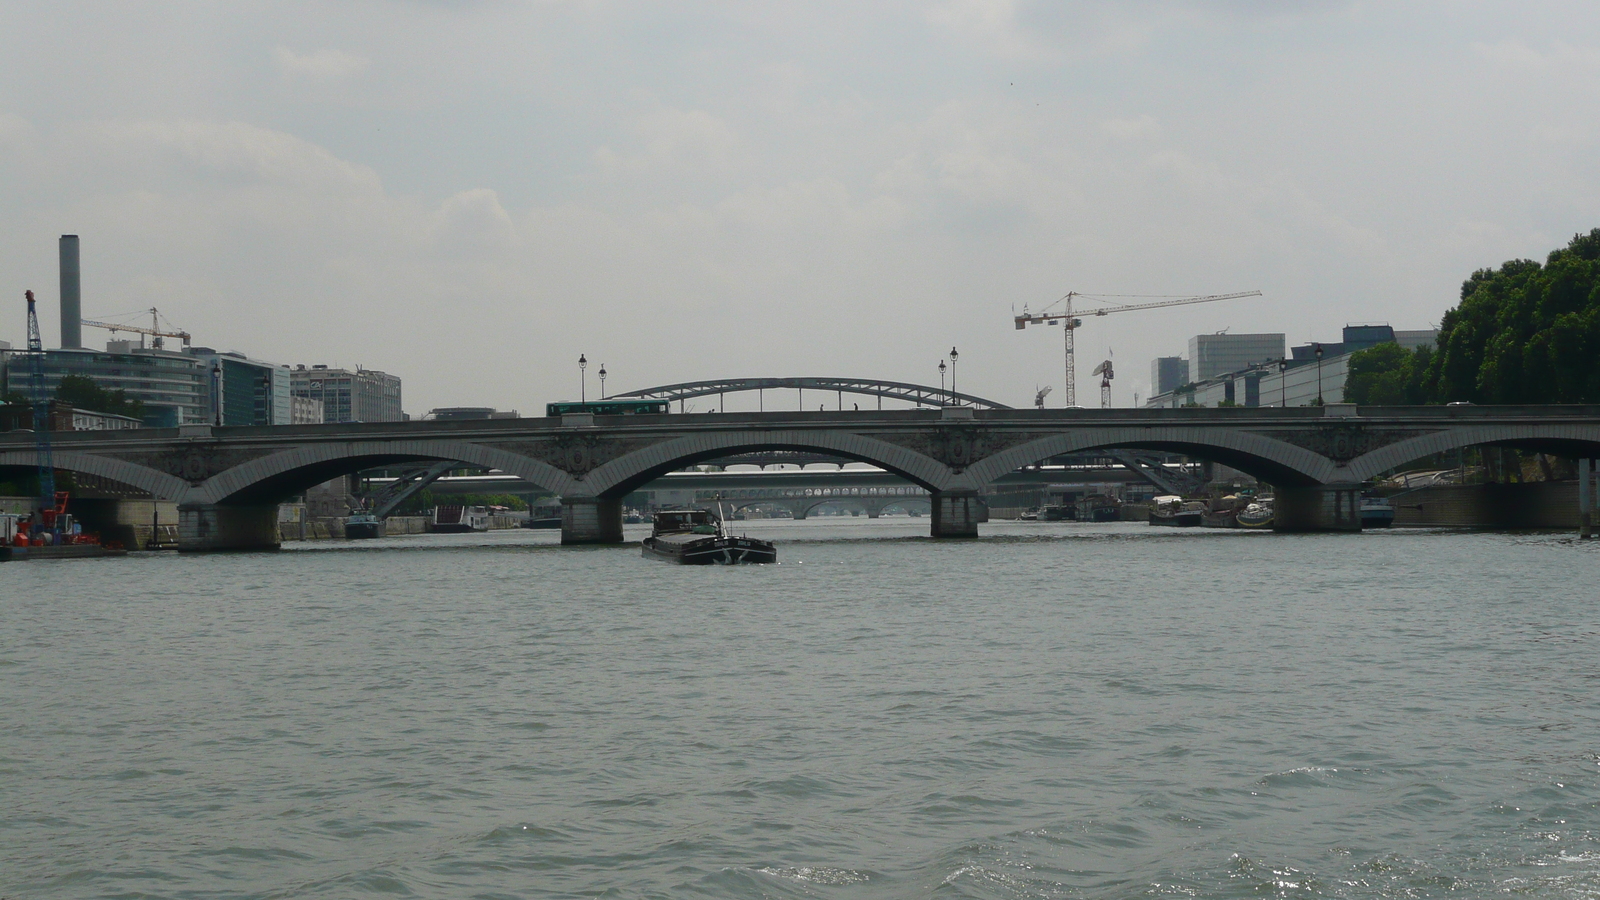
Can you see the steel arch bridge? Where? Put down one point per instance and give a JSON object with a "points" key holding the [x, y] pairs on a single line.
{"points": [[920, 394]]}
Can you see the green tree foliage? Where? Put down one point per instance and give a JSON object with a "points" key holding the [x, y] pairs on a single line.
{"points": [[1524, 333], [1388, 375], [83, 393]]}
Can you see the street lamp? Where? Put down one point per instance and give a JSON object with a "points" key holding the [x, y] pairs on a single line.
{"points": [[602, 374], [1283, 382], [953, 357], [216, 390], [583, 379], [1319, 374], [941, 382]]}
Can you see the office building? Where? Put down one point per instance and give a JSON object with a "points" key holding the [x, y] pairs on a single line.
{"points": [[1211, 355], [1411, 340], [172, 386], [1167, 373], [253, 392], [362, 395], [304, 411]]}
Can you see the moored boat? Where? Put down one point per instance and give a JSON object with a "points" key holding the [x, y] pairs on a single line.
{"points": [[1258, 514], [1099, 508], [1223, 512], [1173, 510], [1376, 512], [459, 519], [544, 516], [363, 525], [696, 537]]}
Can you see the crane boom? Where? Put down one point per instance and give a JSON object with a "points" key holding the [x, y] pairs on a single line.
{"points": [[1071, 321], [154, 330]]}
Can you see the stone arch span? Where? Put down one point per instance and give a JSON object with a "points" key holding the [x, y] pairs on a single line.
{"points": [[274, 478], [158, 484], [1561, 439], [620, 476], [1273, 461]]}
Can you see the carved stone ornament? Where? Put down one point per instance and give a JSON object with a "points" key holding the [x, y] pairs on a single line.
{"points": [[194, 463], [1344, 441], [575, 454], [959, 446]]}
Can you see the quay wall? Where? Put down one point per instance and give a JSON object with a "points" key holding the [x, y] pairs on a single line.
{"points": [[331, 528], [1540, 504]]}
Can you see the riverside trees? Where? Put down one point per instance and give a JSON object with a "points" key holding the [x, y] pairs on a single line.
{"points": [[1522, 333]]}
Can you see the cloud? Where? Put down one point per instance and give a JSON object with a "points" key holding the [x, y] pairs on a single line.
{"points": [[1141, 127], [319, 65], [668, 137], [238, 150]]}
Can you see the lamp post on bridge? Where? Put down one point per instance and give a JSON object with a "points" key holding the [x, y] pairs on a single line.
{"points": [[1319, 375], [1283, 382], [583, 379], [602, 374], [953, 357], [943, 402]]}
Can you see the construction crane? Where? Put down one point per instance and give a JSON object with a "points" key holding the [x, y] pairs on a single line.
{"points": [[1106, 374], [49, 501], [1069, 317], [154, 330], [1038, 399]]}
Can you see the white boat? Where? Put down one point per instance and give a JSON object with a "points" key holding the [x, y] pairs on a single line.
{"points": [[1376, 512], [459, 519]]}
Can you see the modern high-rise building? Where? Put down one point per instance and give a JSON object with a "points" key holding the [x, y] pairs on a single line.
{"points": [[1211, 355], [253, 392], [1167, 372], [172, 386], [363, 395]]}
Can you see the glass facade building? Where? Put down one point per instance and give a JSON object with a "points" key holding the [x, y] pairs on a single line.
{"points": [[1168, 372], [253, 392], [171, 385], [1211, 355]]}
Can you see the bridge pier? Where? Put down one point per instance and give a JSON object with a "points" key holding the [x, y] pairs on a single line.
{"points": [[591, 520], [957, 514], [208, 527], [1322, 507]]}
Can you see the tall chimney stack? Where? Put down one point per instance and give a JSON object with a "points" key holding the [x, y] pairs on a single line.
{"points": [[71, 294]]}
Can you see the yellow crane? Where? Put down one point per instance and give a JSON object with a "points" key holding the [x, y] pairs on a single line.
{"points": [[1069, 317], [154, 330]]}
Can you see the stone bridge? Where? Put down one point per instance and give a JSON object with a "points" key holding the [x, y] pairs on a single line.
{"points": [[227, 482]]}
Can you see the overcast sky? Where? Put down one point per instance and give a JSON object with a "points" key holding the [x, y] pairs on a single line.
{"points": [[470, 194]]}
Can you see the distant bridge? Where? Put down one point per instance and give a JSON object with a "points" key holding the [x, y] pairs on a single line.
{"points": [[920, 394], [228, 482]]}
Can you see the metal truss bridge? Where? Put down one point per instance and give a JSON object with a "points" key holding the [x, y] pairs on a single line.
{"points": [[920, 394]]}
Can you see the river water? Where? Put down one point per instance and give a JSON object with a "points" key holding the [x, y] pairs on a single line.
{"points": [[1053, 710]]}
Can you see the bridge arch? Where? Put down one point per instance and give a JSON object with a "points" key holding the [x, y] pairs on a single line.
{"points": [[1273, 461], [271, 479], [920, 394], [157, 483], [1560, 439], [620, 476]]}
